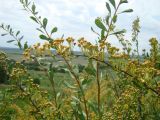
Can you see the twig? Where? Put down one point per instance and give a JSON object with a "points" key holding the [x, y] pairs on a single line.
{"points": [[79, 85]]}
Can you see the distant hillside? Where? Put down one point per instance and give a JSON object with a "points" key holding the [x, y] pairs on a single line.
{"points": [[11, 50], [18, 51]]}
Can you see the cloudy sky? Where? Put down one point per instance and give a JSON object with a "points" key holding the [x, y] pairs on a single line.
{"points": [[75, 18]]}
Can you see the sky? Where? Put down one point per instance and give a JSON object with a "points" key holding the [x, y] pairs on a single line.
{"points": [[76, 17]]}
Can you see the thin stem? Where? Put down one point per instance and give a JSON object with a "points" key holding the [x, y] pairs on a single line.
{"points": [[109, 26], [128, 74], [98, 87], [54, 90], [114, 84], [80, 87], [11, 34], [38, 21]]}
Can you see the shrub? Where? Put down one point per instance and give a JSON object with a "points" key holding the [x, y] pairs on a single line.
{"points": [[115, 83], [4, 77]]}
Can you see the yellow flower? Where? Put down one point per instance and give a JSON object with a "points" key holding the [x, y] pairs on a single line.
{"points": [[69, 40], [57, 42], [102, 45], [46, 45]]}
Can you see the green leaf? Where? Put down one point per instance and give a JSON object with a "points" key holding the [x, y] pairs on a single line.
{"points": [[90, 71], [115, 18], [11, 31], [26, 2], [86, 81], [118, 32], [40, 30], [19, 45], [76, 99], [45, 21], [123, 1], [25, 45], [2, 26], [9, 41], [8, 26], [99, 24], [54, 30], [113, 3], [108, 7], [34, 19], [127, 11], [33, 8], [107, 19], [69, 86], [137, 84], [81, 115], [43, 37], [3, 34], [58, 95], [21, 1], [17, 33], [102, 34], [21, 38], [90, 68]]}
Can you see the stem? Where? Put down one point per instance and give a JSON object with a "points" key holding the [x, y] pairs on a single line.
{"points": [[38, 21], [114, 85], [137, 47], [54, 90], [137, 44], [79, 85], [109, 26], [52, 83], [98, 86], [128, 74], [12, 35], [32, 103]]}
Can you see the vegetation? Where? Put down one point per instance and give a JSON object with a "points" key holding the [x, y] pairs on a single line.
{"points": [[115, 83]]}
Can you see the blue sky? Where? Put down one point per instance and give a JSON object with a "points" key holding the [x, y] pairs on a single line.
{"points": [[75, 17]]}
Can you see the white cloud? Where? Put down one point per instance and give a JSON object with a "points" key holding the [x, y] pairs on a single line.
{"points": [[75, 17]]}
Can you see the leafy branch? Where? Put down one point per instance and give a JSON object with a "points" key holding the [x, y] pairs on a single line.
{"points": [[43, 22], [15, 35], [128, 74], [107, 25]]}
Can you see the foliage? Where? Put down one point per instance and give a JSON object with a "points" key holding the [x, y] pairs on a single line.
{"points": [[116, 83], [3, 69]]}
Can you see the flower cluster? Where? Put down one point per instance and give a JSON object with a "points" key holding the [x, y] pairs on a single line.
{"points": [[93, 51], [144, 71], [154, 49], [123, 106], [46, 48], [18, 72], [38, 50], [61, 49], [70, 40]]}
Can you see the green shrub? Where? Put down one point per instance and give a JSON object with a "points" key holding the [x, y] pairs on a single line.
{"points": [[4, 77], [117, 84]]}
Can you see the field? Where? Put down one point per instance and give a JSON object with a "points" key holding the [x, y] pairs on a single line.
{"points": [[16, 54]]}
